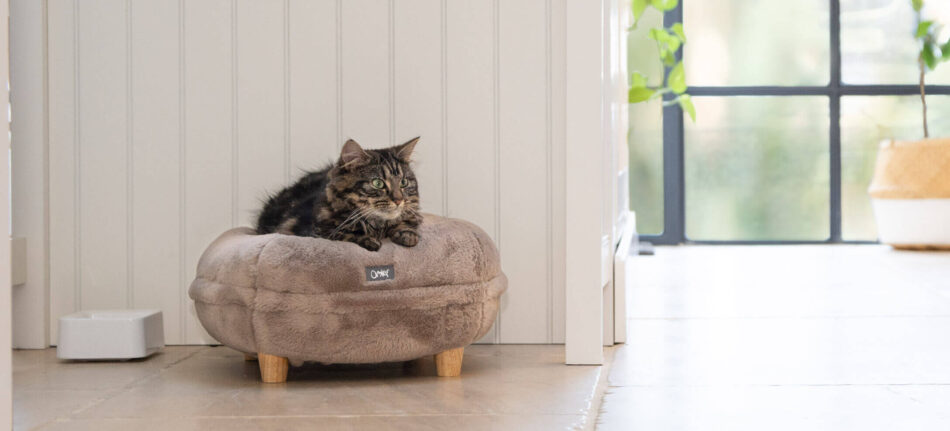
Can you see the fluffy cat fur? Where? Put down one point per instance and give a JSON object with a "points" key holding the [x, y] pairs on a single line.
{"points": [[365, 197]]}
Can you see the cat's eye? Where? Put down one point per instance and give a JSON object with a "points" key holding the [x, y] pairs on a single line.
{"points": [[404, 183], [377, 183]]}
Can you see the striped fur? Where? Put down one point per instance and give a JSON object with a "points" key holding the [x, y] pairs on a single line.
{"points": [[340, 202]]}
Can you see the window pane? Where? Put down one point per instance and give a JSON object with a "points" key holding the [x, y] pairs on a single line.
{"points": [[865, 122], [757, 168], [757, 42], [877, 43], [646, 166], [645, 139]]}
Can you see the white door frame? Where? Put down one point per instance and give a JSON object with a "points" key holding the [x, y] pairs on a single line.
{"points": [[586, 193], [6, 330], [30, 198]]}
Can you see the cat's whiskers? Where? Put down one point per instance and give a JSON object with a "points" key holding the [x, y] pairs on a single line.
{"points": [[345, 221], [336, 232], [352, 219]]}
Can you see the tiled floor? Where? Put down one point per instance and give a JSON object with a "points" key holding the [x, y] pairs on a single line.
{"points": [[213, 388], [797, 338], [719, 338]]}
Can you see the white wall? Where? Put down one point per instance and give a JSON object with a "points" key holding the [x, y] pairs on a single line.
{"points": [[168, 122]]}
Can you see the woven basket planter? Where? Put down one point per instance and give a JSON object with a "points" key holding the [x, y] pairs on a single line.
{"points": [[910, 194]]}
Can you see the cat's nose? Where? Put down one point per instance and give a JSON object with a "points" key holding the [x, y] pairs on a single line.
{"points": [[398, 201]]}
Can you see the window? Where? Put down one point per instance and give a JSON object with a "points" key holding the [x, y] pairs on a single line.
{"points": [[792, 101]]}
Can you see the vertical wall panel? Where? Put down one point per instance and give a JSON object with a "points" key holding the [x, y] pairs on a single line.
{"points": [[156, 252], [524, 160], [558, 167], [314, 137], [209, 197], [63, 228], [366, 72], [262, 143], [470, 149], [470, 144], [103, 117], [418, 93]]}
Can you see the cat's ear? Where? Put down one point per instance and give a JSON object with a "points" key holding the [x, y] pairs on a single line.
{"points": [[353, 154], [404, 151]]}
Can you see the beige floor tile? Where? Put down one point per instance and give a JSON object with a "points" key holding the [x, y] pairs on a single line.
{"points": [[331, 423], [502, 387], [496, 380], [34, 408], [40, 369]]}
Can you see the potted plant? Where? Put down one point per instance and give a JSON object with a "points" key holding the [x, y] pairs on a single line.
{"points": [[910, 191]]}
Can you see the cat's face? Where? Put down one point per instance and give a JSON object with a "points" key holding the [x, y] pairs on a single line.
{"points": [[378, 183]]}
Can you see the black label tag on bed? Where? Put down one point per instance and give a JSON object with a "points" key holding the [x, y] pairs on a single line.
{"points": [[380, 273]]}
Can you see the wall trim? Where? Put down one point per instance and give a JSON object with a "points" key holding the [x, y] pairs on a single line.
{"points": [[585, 192], [30, 188]]}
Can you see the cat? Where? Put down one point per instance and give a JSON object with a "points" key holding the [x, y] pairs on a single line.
{"points": [[365, 197]]}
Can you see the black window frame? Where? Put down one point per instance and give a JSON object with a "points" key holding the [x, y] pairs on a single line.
{"points": [[674, 202]]}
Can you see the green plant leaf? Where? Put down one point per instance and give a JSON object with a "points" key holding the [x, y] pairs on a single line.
{"points": [[686, 103], [673, 44], [945, 51], [668, 58], [928, 55], [677, 79], [638, 7], [665, 39], [923, 28], [638, 80], [660, 35], [678, 31], [918, 4], [639, 94], [664, 5]]}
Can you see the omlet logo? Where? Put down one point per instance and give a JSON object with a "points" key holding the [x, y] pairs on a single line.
{"points": [[380, 273]]}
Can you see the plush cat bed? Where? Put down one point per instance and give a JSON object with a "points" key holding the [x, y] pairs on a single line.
{"points": [[311, 299]]}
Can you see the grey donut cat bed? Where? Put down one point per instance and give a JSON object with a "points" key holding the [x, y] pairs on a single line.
{"points": [[286, 297]]}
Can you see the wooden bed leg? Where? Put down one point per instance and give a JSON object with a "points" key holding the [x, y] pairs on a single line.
{"points": [[248, 357], [449, 362], [273, 368]]}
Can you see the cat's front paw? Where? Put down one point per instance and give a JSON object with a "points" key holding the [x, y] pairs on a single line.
{"points": [[369, 243], [406, 238]]}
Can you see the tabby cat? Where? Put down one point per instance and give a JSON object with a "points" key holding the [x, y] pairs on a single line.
{"points": [[365, 197]]}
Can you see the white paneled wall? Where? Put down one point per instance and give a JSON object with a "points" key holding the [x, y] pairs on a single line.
{"points": [[169, 121]]}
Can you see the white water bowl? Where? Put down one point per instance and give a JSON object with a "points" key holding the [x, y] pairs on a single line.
{"points": [[913, 222], [110, 334]]}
